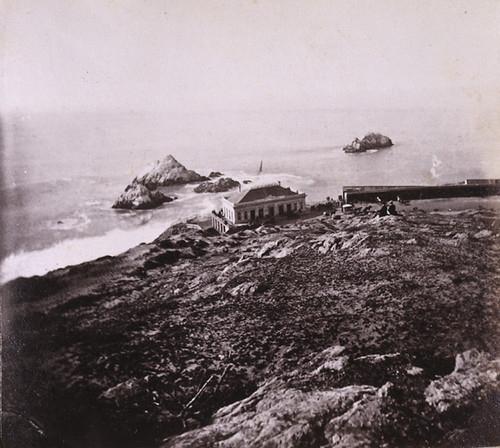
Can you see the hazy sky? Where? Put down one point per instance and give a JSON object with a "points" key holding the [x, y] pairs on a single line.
{"points": [[193, 55]]}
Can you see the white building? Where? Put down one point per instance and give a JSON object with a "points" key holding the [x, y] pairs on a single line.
{"points": [[258, 203]]}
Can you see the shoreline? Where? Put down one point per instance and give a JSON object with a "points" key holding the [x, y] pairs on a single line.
{"points": [[430, 205]]}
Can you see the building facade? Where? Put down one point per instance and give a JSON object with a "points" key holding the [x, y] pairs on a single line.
{"points": [[259, 203]]}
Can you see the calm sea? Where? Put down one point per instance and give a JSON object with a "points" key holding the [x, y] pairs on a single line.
{"points": [[62, 172]]}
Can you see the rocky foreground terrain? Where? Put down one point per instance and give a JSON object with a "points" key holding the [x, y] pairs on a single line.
{"points": [[347, 332]]}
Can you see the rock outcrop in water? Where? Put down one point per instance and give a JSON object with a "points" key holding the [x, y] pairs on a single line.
{"points": [[348, 332], [139, 197], [169, 172], [140, 193], [224, 184], [370, 141]]}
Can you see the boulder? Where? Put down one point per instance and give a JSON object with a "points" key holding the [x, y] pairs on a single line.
{"points": [[276, 415], [224, 184], [139, 197], [280, 248], [483, 234], [369, 141], [168, 172], [474, 378], [215, 174]]}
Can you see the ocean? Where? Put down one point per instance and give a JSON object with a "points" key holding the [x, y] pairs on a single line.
{"points": [[63, 171]]}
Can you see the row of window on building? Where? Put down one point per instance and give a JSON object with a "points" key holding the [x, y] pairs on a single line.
{"points": [[259, 212]]}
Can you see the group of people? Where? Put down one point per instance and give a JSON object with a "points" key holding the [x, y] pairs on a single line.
{"points": [[387, 210]]}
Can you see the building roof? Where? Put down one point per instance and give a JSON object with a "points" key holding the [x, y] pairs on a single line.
{"points": [[260, 193]]}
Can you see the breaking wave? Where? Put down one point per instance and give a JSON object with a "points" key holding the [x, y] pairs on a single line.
{"points": [[75, 251]]}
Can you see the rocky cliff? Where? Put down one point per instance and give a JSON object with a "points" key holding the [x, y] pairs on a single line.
{"points": [[168, 172], [356, 331]]}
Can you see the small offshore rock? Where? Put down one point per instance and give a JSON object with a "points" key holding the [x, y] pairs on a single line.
{"points": [[139, 197], [224, 184]]}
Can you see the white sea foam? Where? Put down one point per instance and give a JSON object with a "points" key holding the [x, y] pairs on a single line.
{"points": [[78, 250], [74, 251], [95, 203]]}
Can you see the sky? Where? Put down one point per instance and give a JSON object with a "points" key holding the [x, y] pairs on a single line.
{"points": [[202, 55]]}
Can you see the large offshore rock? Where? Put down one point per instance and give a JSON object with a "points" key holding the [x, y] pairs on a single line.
{"points": [[375, 140], [168, 172], [370, 141]]}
